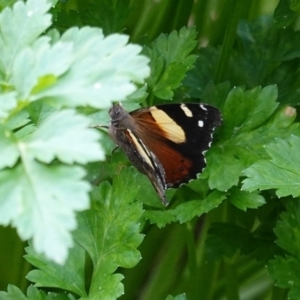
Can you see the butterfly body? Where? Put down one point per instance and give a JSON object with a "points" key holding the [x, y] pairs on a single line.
{"points": [[165, 142]]}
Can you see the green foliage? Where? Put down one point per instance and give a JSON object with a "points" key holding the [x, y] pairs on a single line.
{"points": [[97, 230], [106, 14], [32, 294], [285, 269], [186, 211], [69, 277], [237, 240], [109, 232], [43, 138], [280, 173], [284, 15], [170, 59], [264, 55], [245, 135]]}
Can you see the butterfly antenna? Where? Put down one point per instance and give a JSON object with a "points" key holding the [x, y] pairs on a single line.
{"points": [[98, 126]]}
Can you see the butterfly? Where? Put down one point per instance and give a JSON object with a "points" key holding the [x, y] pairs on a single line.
{"points": [[165, 142]]}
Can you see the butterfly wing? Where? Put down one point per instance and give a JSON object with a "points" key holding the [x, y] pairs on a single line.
{"points": [[178, 136], [165, 142]]}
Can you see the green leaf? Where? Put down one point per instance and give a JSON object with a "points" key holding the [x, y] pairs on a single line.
{"points": [[283, 14], [18, 120], [70, 140], [147, 194], [295, 6], [8, 148], [20, 27], [39, 111], [75, 69], [109, 15], [136, 97], [34, 198], [250, 108], [160, 218], [101, 68], [170, 60], [287, 229], [286, 273], [7, 102], [220, 176], [110, 233], [13, 293], [244, 200], [169, 80], [33, 293], [243, 141], [178, 297], [40, 67], [263, 55], [269, 55], [78, 68], [69, 276], [188, 210], [280, 173], [216, 94], [204, 72], [6, 3], [285, 270], [185, 211], [24, 131]]}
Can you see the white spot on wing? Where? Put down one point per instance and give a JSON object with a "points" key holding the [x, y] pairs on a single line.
{"points": [[186, 110], [203, 107], [200, 123]]}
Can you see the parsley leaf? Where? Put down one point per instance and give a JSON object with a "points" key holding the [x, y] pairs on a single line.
{"points": [[285, 269], [109, 232], [280, 173], [170, 59]]}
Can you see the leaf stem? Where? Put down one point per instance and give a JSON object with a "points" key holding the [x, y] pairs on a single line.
{"points": [[231, 281], [229, 38], [192, 260]]}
